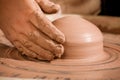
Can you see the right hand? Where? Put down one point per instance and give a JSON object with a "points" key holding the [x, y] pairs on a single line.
{"points": [[26, 26]]}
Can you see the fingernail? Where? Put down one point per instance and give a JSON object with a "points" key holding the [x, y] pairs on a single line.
{"points": [[59, 51], [60, 39], [55, 8]]}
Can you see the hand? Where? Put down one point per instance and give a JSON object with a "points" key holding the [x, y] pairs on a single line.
{"points": [[26, 26]]}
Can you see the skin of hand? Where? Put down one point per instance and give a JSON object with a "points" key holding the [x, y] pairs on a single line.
{"points": [[25, 25]]}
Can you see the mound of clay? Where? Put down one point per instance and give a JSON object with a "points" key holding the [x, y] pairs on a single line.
{"points": [[83, 39]]}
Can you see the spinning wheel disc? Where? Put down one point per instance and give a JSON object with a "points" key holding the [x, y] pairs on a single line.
{"points": [[108, 69]]}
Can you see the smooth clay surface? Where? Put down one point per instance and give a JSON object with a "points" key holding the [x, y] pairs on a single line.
{"points": [[84, 41], [85, 56]]}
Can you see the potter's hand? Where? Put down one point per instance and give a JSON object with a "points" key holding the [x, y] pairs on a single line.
{"points": [[25, 25]]}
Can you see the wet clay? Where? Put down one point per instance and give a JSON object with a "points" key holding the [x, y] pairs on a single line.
{"points": [[81, 59], [83, 39]]}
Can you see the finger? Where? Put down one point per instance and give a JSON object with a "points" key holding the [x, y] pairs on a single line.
{"points": [[5, 51], [45, 26], [48, 6], [23, 50], [46, 43], [41, 53]]}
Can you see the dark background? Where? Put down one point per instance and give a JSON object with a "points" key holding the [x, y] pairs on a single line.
{"points": [[110, 7]]}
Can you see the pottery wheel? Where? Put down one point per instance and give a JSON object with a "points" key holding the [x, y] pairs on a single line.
{"points": [[108, 69], [104, 66]]}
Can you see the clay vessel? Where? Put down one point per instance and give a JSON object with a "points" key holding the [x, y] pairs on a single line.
{"points": [[84, 41]]}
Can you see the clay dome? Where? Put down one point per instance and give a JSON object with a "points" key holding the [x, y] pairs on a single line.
{"points": [[83, 39]]}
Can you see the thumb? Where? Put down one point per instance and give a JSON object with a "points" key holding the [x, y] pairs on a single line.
{"points": [[48, 6]]}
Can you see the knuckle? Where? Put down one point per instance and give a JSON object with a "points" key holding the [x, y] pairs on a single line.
{"points": [[18, 46], [34, 35], [26, 43]]}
